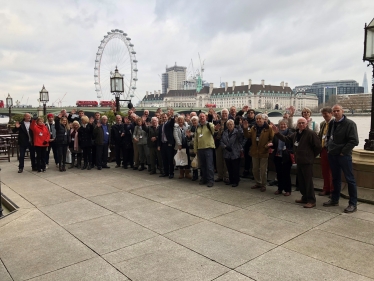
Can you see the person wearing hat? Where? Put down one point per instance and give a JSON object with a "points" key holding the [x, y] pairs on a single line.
{"points": [[50, 124]]}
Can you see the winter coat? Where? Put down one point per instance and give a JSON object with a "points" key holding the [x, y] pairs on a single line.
{"points": [[204, 137], [41, 134], [116, 134], [259, 149], [85, 136], [286, 152], [308, 146], [98, 135], [179, 137], [23, 135], [62, 133], [52, 129], [140, 135], [151, 132], [129, 129], [342, 137], [234, 141]]}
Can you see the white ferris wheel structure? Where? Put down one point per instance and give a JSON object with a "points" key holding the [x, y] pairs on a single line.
{"points": [[115, 50]]}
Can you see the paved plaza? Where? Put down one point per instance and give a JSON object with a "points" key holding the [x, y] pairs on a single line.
{"points": [[118, 224]]}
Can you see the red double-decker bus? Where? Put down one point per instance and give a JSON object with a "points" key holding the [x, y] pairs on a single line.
{"points": [[107, 103], [87, 103], [212, 105]]}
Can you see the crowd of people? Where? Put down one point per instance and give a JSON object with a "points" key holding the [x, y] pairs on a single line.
{"points": [[213, 141]]}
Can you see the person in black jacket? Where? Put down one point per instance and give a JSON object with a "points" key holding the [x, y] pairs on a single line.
{"points": [[128, 144], [101, 135], [282, 161], [155, 154], [85, 142], [118, 139], [166, 144], [25, 138], [62, 140]]}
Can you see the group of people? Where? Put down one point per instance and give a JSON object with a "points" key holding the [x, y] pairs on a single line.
{"points": [[216, 142]]}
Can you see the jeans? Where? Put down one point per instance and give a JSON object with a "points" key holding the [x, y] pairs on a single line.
{"points": [[206, 164], [22, 152], [338, 164]]}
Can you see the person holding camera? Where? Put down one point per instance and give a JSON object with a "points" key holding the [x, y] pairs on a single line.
{"points": [[41, 138]]}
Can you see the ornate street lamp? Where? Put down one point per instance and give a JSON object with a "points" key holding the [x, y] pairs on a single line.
{"points": [[9, 104], [44, 98], [369, 56], [116, 86]]}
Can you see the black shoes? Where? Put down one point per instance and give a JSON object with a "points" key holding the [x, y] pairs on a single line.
{"points": [[218, 180], [99, 168], [210, 184], [163, 175], [350, 209], [105, 167], [331, 203], [234, 185], [171, 176], [20, 171], [274, 182]]}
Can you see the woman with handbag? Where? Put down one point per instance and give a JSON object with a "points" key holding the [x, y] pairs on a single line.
{"points": [[282, 160], [231, 141], [180, 137]]}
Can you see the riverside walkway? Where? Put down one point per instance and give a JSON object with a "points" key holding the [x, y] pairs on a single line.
{"points": [[118, 224]]}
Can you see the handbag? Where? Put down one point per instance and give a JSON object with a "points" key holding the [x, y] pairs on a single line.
{"points": [[181, 158], [195, 163], [68, 156]]}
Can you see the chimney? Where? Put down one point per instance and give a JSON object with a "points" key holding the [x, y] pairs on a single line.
{"points": [[146, 94], [154, 92], [159, 92], [263, 83], [282, 84], [249, 84], [226, 85], [233, 86], [286, 84], [242, 84], [210, 88]]}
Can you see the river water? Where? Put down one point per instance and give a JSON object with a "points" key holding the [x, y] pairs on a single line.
{"points": [[362, 122]]}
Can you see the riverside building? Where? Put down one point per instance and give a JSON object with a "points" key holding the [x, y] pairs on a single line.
{"points": [[257, 96]]}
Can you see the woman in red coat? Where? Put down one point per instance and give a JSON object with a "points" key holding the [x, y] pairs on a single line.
{"points": [[40, 140]]}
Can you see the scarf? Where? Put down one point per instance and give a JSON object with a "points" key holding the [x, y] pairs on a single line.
{"points": [[72, 131], [281, 144]]}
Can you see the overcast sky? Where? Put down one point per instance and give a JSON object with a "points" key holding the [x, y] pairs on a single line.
{"points": [[300, 42]]}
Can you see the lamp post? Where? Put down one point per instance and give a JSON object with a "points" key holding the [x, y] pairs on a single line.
{"points": [[116, 86], [9, 104], [44, 98], [369, 56]]}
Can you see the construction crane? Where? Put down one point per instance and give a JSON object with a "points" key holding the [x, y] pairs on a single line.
{"points": [[201, 67], [60, 101]]}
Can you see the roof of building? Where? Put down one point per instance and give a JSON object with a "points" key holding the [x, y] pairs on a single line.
{"points": [[336, 81]]}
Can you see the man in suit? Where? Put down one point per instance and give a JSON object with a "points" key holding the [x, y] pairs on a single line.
{"points": [[25, 137], [166, 144], [118, 139], [154, 153], [101, 135]]}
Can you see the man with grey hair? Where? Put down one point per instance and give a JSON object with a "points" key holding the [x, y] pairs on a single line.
{"points": [[306, 147], [101, 135], [342, 137]]}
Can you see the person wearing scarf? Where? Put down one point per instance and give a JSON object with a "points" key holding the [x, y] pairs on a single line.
{"points": [[282, 160], [74, 146], [261, 136]]}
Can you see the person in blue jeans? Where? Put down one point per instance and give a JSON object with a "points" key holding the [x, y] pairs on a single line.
{"points": [[342, 137]]}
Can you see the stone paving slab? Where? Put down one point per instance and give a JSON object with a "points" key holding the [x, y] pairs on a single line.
{"points": [[4, 275], [109, 233], [234, 248], [21, 202], [233, 275], [334, 249], [120, 201], [160, 218], [74, 211], [292, 212], [283, 264], [162, 194], [89, 270], [30, 254], [261, 226], [202, 207], [161, 259]]}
